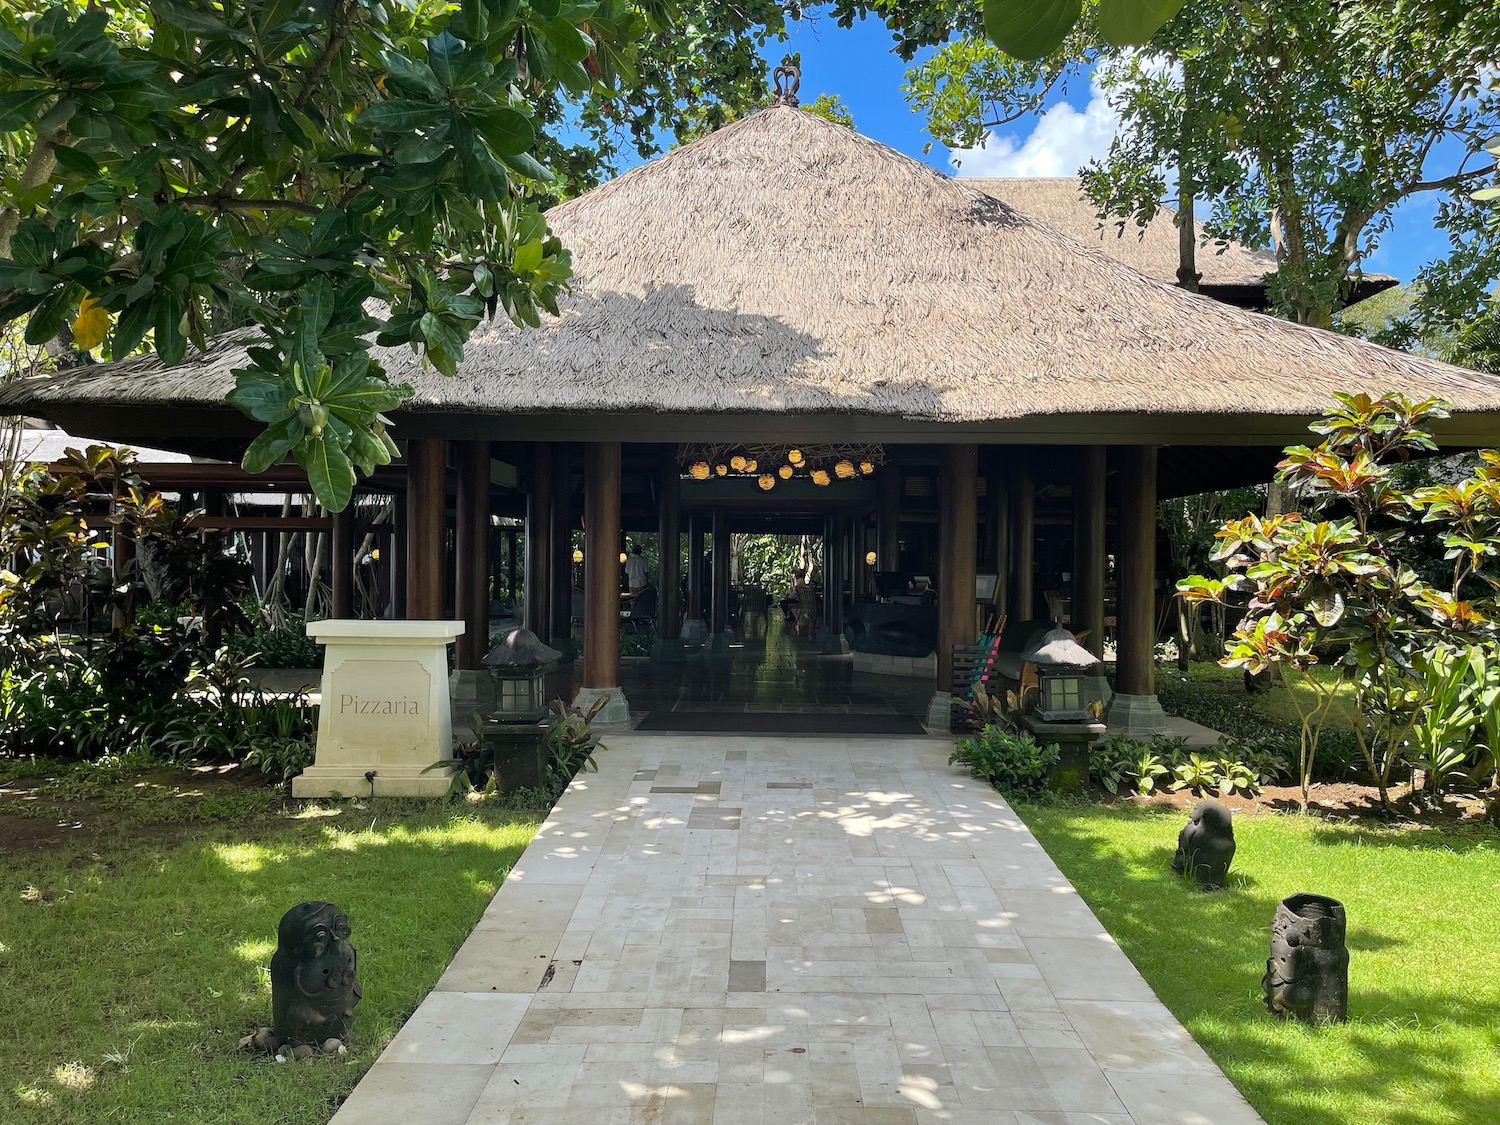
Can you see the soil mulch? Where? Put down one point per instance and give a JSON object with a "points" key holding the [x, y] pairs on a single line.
{"points": [[1343, 800], [159, 807]]}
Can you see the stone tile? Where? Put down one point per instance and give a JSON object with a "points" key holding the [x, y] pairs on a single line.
{"points": [[925, 960], [747, 976], [459, 1027], [394, 1093]]}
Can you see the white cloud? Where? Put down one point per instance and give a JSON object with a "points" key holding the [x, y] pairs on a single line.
{"points": [[1063, 141]]}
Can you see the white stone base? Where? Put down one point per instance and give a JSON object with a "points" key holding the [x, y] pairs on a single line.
{"points": [[833, 644], [385, 709], [1138, 716], [389, 781], [879, 664], [615, 713]]}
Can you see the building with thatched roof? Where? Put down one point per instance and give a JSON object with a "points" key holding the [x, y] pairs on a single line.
{"points": [[1228, 271], [787, 285]]}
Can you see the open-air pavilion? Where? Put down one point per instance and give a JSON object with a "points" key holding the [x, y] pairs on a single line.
{"points": [[786, 283]]}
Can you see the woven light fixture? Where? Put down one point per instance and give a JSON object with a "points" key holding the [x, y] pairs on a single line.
{"points": [[751, 465], [738, 463], [766, 482], [866, 468], [577, 555], [722, 470], [820, 477], [699, 471], [785, 472], [844, 470], [794, 456], [869, 558]]}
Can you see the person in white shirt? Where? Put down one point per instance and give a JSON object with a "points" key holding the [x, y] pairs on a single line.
{"points": [[636, 576]]}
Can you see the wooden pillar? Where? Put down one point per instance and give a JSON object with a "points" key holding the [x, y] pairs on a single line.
{"points": [[720, 623], [957, 519], [539, 541], [999, 537], [601, 565], [669, 548], [560, 557], [888, 518], [1088, 547], [426, 527], [1134, 670], [341, 562], [1023, 544], [472, 562]]}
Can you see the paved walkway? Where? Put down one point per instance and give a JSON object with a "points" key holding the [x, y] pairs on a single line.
{"points": [[776, 931]]}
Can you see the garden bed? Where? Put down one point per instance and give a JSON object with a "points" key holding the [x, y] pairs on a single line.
{"points": [[1420, 1046], [138, 912]]}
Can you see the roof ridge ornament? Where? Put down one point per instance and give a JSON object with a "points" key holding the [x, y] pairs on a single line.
{"points": [[786, 79]]}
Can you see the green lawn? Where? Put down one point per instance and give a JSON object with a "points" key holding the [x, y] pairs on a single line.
{"points": [[129, 971], [1423, 1043]]}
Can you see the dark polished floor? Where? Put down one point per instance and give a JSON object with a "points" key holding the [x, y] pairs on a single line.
{"points": [[768, 669]]}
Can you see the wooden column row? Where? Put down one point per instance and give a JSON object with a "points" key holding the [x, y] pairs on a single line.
{"points": [[601, 554], [669, 551]]}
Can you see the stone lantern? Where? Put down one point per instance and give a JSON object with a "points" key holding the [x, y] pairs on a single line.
{"points": [[1062, 716], [1061, 663], [519, 665]]}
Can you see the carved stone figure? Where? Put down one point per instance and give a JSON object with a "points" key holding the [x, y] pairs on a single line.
{"points": [[313, 983], [1205, 845], [1307, 974]]}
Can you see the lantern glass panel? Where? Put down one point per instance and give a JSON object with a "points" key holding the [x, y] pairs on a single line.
{"points": [[521, 695], [1062, 696]]}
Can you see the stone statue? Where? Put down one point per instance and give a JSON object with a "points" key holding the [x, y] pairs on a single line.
{"points": [[1307, 974], [313, 983], [1205, 845]]}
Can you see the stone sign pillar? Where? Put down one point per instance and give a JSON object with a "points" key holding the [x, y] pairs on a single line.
{"points": [[385, 715]]}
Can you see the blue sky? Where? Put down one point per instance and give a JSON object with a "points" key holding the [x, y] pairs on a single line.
{"points": [[857, 64]]}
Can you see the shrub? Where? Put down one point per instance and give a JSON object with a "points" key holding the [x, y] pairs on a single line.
{"points": [[283, 646], [1013, 763]]}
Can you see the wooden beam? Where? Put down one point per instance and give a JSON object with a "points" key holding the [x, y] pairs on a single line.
{"points": [[1022, 603], [426, 528], [669, 548], [601, 562], [720, 573], [695, 568], [472, 562], [539, 541], [1088, 547], [1135, 672], [560, 585], [957, 522], [261, 523]]}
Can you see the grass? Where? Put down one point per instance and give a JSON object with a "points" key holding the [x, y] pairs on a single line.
{"points": [[1421, 1045], [1227, 685], [130, 970]]}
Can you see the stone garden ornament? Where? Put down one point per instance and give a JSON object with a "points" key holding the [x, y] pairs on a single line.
{"points": [[1205, 846], [313, 984], [1307, 974]]}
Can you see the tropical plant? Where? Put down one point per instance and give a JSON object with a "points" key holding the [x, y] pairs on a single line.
{"points": [[1001, 709], [1439, 743], [1340, 589], [1015, 764]]}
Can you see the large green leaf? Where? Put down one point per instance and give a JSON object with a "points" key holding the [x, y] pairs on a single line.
{"points": [[398, 115], [1031, 29], [272, 446], [1129, 23], [507, 131], [329, 471]]}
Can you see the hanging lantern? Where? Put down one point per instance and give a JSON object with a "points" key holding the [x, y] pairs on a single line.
{"points": [[751, 465], [738, 462], [577, 555], [699, 471], [766, 482], [623, 557], [794, 456], [722, 469], [869, 558], [785, 472], [820, 477], [866, 468], [844, 469]]}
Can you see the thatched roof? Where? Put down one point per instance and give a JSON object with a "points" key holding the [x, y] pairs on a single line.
{"points": [[787, 265], [1152, 250]]}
